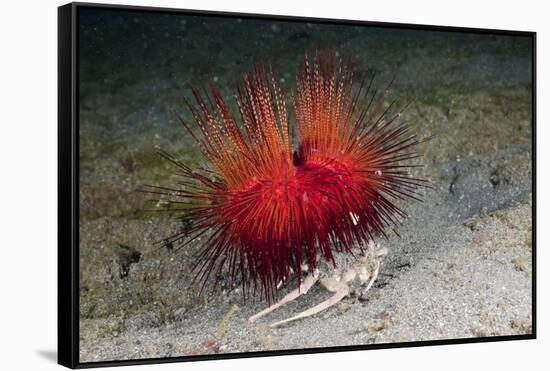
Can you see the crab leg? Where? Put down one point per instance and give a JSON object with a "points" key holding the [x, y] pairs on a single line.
{"points": [[342, 290], [380, 253], [308, 282]]}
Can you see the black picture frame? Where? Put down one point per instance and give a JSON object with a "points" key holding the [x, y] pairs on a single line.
{"points": [[68, 186]]}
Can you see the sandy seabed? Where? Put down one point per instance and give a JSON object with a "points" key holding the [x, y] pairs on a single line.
{"points": [[461, 268]]}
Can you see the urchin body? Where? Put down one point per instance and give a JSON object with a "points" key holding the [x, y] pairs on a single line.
{"points": [[280, 196]]}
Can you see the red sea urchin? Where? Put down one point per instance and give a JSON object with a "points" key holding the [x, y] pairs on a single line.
{"points": [[266, 206]]}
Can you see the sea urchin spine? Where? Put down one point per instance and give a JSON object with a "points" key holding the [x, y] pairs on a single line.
{"points": [[266, 207]]}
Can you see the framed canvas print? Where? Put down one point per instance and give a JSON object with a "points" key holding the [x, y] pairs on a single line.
{"points": [[236, 185]]}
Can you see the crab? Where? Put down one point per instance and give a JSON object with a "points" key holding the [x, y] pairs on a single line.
{"points": [[359, 278]]}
